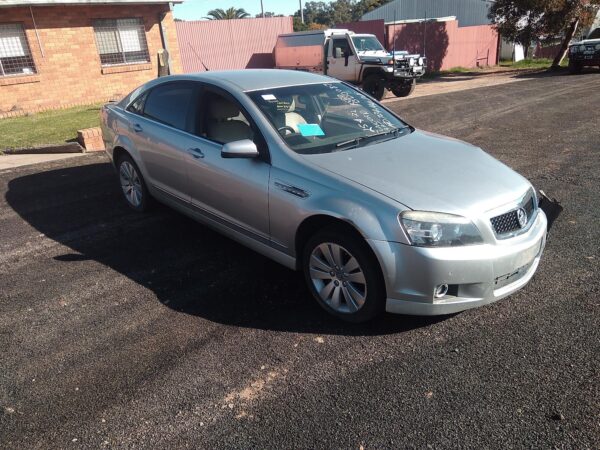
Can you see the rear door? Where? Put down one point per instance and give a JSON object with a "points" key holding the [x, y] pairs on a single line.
{"points": [[162, 135]]}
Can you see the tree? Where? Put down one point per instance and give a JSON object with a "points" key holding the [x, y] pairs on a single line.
{"points": [[337, 11], [341, 11], [526, 21], [362, 7], [268, 14], [231, 13]]}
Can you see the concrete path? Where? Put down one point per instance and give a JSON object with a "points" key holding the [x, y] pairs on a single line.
{"points": [[12, 161]]}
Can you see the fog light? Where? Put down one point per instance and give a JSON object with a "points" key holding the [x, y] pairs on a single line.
{"points": [[440, 290]]}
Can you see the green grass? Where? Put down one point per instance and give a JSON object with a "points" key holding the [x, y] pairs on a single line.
{"points": [[460, 69], [452, 70], [51, 127], [538, 63]]}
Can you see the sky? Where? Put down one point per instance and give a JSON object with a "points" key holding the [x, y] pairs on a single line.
{"points": [[197, 9]]}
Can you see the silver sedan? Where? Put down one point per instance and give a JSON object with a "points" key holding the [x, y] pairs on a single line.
{"points": [[318, 176]]}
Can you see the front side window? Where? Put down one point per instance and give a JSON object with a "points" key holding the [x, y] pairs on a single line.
{"points": [[170, 104], [328, 117], [15, 55], [223, 121], [343, 46], [367, 44], [121, 41]]}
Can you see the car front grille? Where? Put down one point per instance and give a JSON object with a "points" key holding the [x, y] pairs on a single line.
{"points": [[509, 222]]}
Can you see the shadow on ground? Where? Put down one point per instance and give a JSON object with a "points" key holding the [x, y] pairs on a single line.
{"points": [[189, 267]]}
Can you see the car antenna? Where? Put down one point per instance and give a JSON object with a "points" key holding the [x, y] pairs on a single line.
{"points": [[394, 40], [198, 56]]}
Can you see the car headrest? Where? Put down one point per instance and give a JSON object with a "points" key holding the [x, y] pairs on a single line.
{"points": [[222, 109], [287, 104]]}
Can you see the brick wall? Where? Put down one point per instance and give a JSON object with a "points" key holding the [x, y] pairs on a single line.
{"points": [[70, 72]]}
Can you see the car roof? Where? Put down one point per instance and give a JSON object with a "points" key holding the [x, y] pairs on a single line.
{"points": [[254, 79]]}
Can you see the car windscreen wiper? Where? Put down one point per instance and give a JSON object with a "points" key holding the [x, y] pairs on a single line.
{"points": [[393, 133], [353, 143]]}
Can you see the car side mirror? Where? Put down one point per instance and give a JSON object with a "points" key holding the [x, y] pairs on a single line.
{"points": [[337, 53], [240, 149]]}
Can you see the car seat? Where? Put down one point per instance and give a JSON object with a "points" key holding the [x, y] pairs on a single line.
{"points": [[222, 125]]}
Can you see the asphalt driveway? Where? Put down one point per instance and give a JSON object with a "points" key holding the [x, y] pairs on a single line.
{"points": [[122, 330]]}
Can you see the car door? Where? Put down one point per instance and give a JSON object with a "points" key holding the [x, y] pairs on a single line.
{"points": [[232, 191], [342, 60], [161, 133]]}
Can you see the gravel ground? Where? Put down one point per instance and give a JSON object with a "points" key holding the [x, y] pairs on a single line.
{"points": [[120, 330]]}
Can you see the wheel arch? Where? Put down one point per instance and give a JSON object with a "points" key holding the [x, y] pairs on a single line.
{"points": [[314, 223], [118, 152], [372, 71], [310, 225]]}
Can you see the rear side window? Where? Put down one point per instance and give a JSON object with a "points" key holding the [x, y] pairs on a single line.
{"points": [[170, 104], [137, 106]]}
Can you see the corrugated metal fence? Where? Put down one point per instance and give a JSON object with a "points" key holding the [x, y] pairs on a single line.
{"points": [[447, 45], [230, 44], [468, 12]]}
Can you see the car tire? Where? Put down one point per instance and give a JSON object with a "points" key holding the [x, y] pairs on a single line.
{"points": [[575, 68], [133, 185], [355, 295], [404, 89], [374, 85]]}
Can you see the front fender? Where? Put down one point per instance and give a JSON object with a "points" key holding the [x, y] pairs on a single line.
{"points": [[373, 216]]}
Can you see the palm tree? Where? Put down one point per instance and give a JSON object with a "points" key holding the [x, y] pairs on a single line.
{"points": [[231, 13]]}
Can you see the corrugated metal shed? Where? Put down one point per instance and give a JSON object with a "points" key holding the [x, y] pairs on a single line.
{"points": [[468, 12], [230, 44]]}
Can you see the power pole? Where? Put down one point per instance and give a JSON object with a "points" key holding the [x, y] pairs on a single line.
{"points": [[262, 9], [301, 12]]}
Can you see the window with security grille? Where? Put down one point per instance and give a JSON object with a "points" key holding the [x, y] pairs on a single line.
{"points": [[15, 55], [121, 41]]}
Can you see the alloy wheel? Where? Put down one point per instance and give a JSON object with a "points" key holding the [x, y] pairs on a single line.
{"points": [[338, 278], [131, 184]]}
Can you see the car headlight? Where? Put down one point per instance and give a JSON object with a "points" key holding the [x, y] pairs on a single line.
{"points": [[432, 229], [582, 48], [597, 46], [411, 62], [421, 61], [574, 49]]}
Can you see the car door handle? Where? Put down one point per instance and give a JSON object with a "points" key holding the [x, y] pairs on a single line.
{"points": [[196, 153], [137, 127]]}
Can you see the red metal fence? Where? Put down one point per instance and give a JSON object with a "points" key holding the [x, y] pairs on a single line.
{"points": [[447, 45], [230, 44]]}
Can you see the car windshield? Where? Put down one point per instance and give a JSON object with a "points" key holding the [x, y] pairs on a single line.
{"points": [[595, 34], [328, 117], [366, 43]]}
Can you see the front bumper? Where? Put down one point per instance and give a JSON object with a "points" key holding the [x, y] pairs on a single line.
{"points": [[586, 60], [477, 275], [409, 72]]}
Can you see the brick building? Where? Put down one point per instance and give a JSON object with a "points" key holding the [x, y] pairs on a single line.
{"points": [[55, 54]]}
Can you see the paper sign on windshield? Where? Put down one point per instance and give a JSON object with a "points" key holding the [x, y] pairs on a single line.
{"points": [[310, 129]]}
